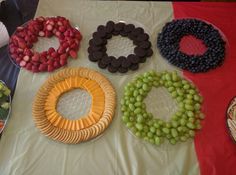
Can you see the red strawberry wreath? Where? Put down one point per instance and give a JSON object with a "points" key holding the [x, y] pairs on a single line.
{"points": [[21, 43]]}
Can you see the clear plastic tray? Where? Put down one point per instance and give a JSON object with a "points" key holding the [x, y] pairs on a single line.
{"points": [[123, 46], [157, 29], [46, 44]]}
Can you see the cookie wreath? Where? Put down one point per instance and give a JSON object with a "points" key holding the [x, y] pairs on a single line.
{"points": [[172, 33], [97, 47], [21, 44], [55, 126], [142, 123]]}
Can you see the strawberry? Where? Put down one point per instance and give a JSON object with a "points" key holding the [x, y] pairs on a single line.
{"points": [[29, 66], [54, 54], [50, 68], [63, 56], [26, 58], [73, 54], [63, 62], [35, 69], [49, 27], [62, 29], [41, 33], [42, 67], [35, 57], [51, 50], [22, 44], [56, 64], [22, 63]]}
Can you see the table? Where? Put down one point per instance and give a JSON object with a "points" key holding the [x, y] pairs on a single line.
{"points": [[25, 151]]}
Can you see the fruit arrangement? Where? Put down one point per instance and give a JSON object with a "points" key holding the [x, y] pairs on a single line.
{"points": [[4, 104], [21, 44], [142, 123], [172, 33], [54, 125]]}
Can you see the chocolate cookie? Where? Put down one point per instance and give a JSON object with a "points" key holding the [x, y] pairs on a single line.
{"points": [[143, 37], [134, 67], [106, 60], [145, 44], [116, 62], [129, 28], [97, 55], [119, 26], [91, 58], [133, 58], [112, 69], [140, 52], [126, 63], [98, 41], [123, 70], [101, 64]]}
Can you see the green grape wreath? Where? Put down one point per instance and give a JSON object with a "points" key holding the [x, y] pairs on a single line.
{"points": [[182, 124]]}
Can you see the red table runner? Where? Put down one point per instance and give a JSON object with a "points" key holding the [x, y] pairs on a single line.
{"points": [[215, 150]]}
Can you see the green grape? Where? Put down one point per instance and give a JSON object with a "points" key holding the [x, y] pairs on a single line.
{"points": [[137, 104], [166, 130], [153, 129], [172, 141], [150, 134], [129, 124], [189, 107], [191, 133], [139, 98], [156, 125], [125, 119], [139, 126], [140, 118], [157, 140], [174, 123], [183, 121], [131, 106], [190, 114], [171, 89], [183, 138], [137, 110], [190, 125], [174, 132], [158, 132]]}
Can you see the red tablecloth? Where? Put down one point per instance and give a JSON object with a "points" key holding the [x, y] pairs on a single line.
{"points": [[215, 150]]}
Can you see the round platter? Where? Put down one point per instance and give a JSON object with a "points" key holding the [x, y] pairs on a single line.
{"points": [[54, 125]]}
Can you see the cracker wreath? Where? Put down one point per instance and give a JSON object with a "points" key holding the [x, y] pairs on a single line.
{"points": [[54, 125]]}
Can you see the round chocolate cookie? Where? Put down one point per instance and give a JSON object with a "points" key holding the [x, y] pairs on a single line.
{"points": [[112, 69], [123, 70], [97, 47], [101, 64], [106, 60]]}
